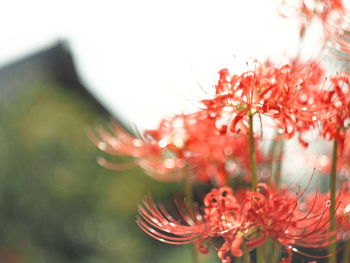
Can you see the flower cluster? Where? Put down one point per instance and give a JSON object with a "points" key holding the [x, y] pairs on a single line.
{"points": [[219, 145], [242, 219], [191, 142], [287, 94], [218, 142], [336, 108]]}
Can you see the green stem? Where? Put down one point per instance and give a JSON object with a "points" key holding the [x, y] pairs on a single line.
{"points": [[238, 259], [276, 150], [272, 154], [195, 254], [188, 193], [260, 254], [278, 171], [332, 248], [252, 154], [246, 255], [189, 200], [275, 254], [269, 250], [346, 253]]}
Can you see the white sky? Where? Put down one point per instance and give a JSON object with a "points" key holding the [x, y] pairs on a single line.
{"points": [[145, 59]]}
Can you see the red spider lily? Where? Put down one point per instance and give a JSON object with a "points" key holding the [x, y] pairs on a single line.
{"points": [[280, 215], [286, 94], [223, 217], [246, 217], [190, 140], [213, 155], [343, 210], [315, 9], [342, 214], [336, 105], [148, 152], [343, 207]]}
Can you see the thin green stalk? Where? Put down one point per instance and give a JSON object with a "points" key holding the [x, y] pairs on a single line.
{"points": [[195, 254], [260, 256], [275, 253], [346, 253], [189, 200], [332, 248], [278, 171], [188, 193], [246, 255], [272, 154], [276, 150], [252, 158], [266, 249], [269, 247]]}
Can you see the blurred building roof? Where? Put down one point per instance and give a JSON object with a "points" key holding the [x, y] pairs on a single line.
{"points": [[55, 63]]}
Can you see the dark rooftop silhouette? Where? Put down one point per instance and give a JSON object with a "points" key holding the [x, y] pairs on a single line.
{"points": [[56, 61]]}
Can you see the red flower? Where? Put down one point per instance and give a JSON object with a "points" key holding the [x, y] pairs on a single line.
{"points": [[336, 108], [149, 152], [222, 218], [247, 217], [191, 140], [213, 156], [343, 209], [286, 94]]}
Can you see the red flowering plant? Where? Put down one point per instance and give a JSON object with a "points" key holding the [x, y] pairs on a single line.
{"points": [[336, 113], [221, 141], [334, 116], [316, 202], [343, 212], [243, 221], [186, 140], [286, 94], [201, 147], [148, 152]]}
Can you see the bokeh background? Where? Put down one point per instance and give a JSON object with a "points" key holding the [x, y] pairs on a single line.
{"points": [[57, 204]]}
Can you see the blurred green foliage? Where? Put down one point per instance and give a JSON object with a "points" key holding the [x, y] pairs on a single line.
{"points": [[56, 203]]}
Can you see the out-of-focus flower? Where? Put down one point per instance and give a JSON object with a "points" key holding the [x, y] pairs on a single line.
{"points": [[342, 216], [343, 208], [245, 217], [188, 140], [338, 42], [148, 152], [309, 10], [343, 211], [212, 155], [286, 94], [336, 108]]}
